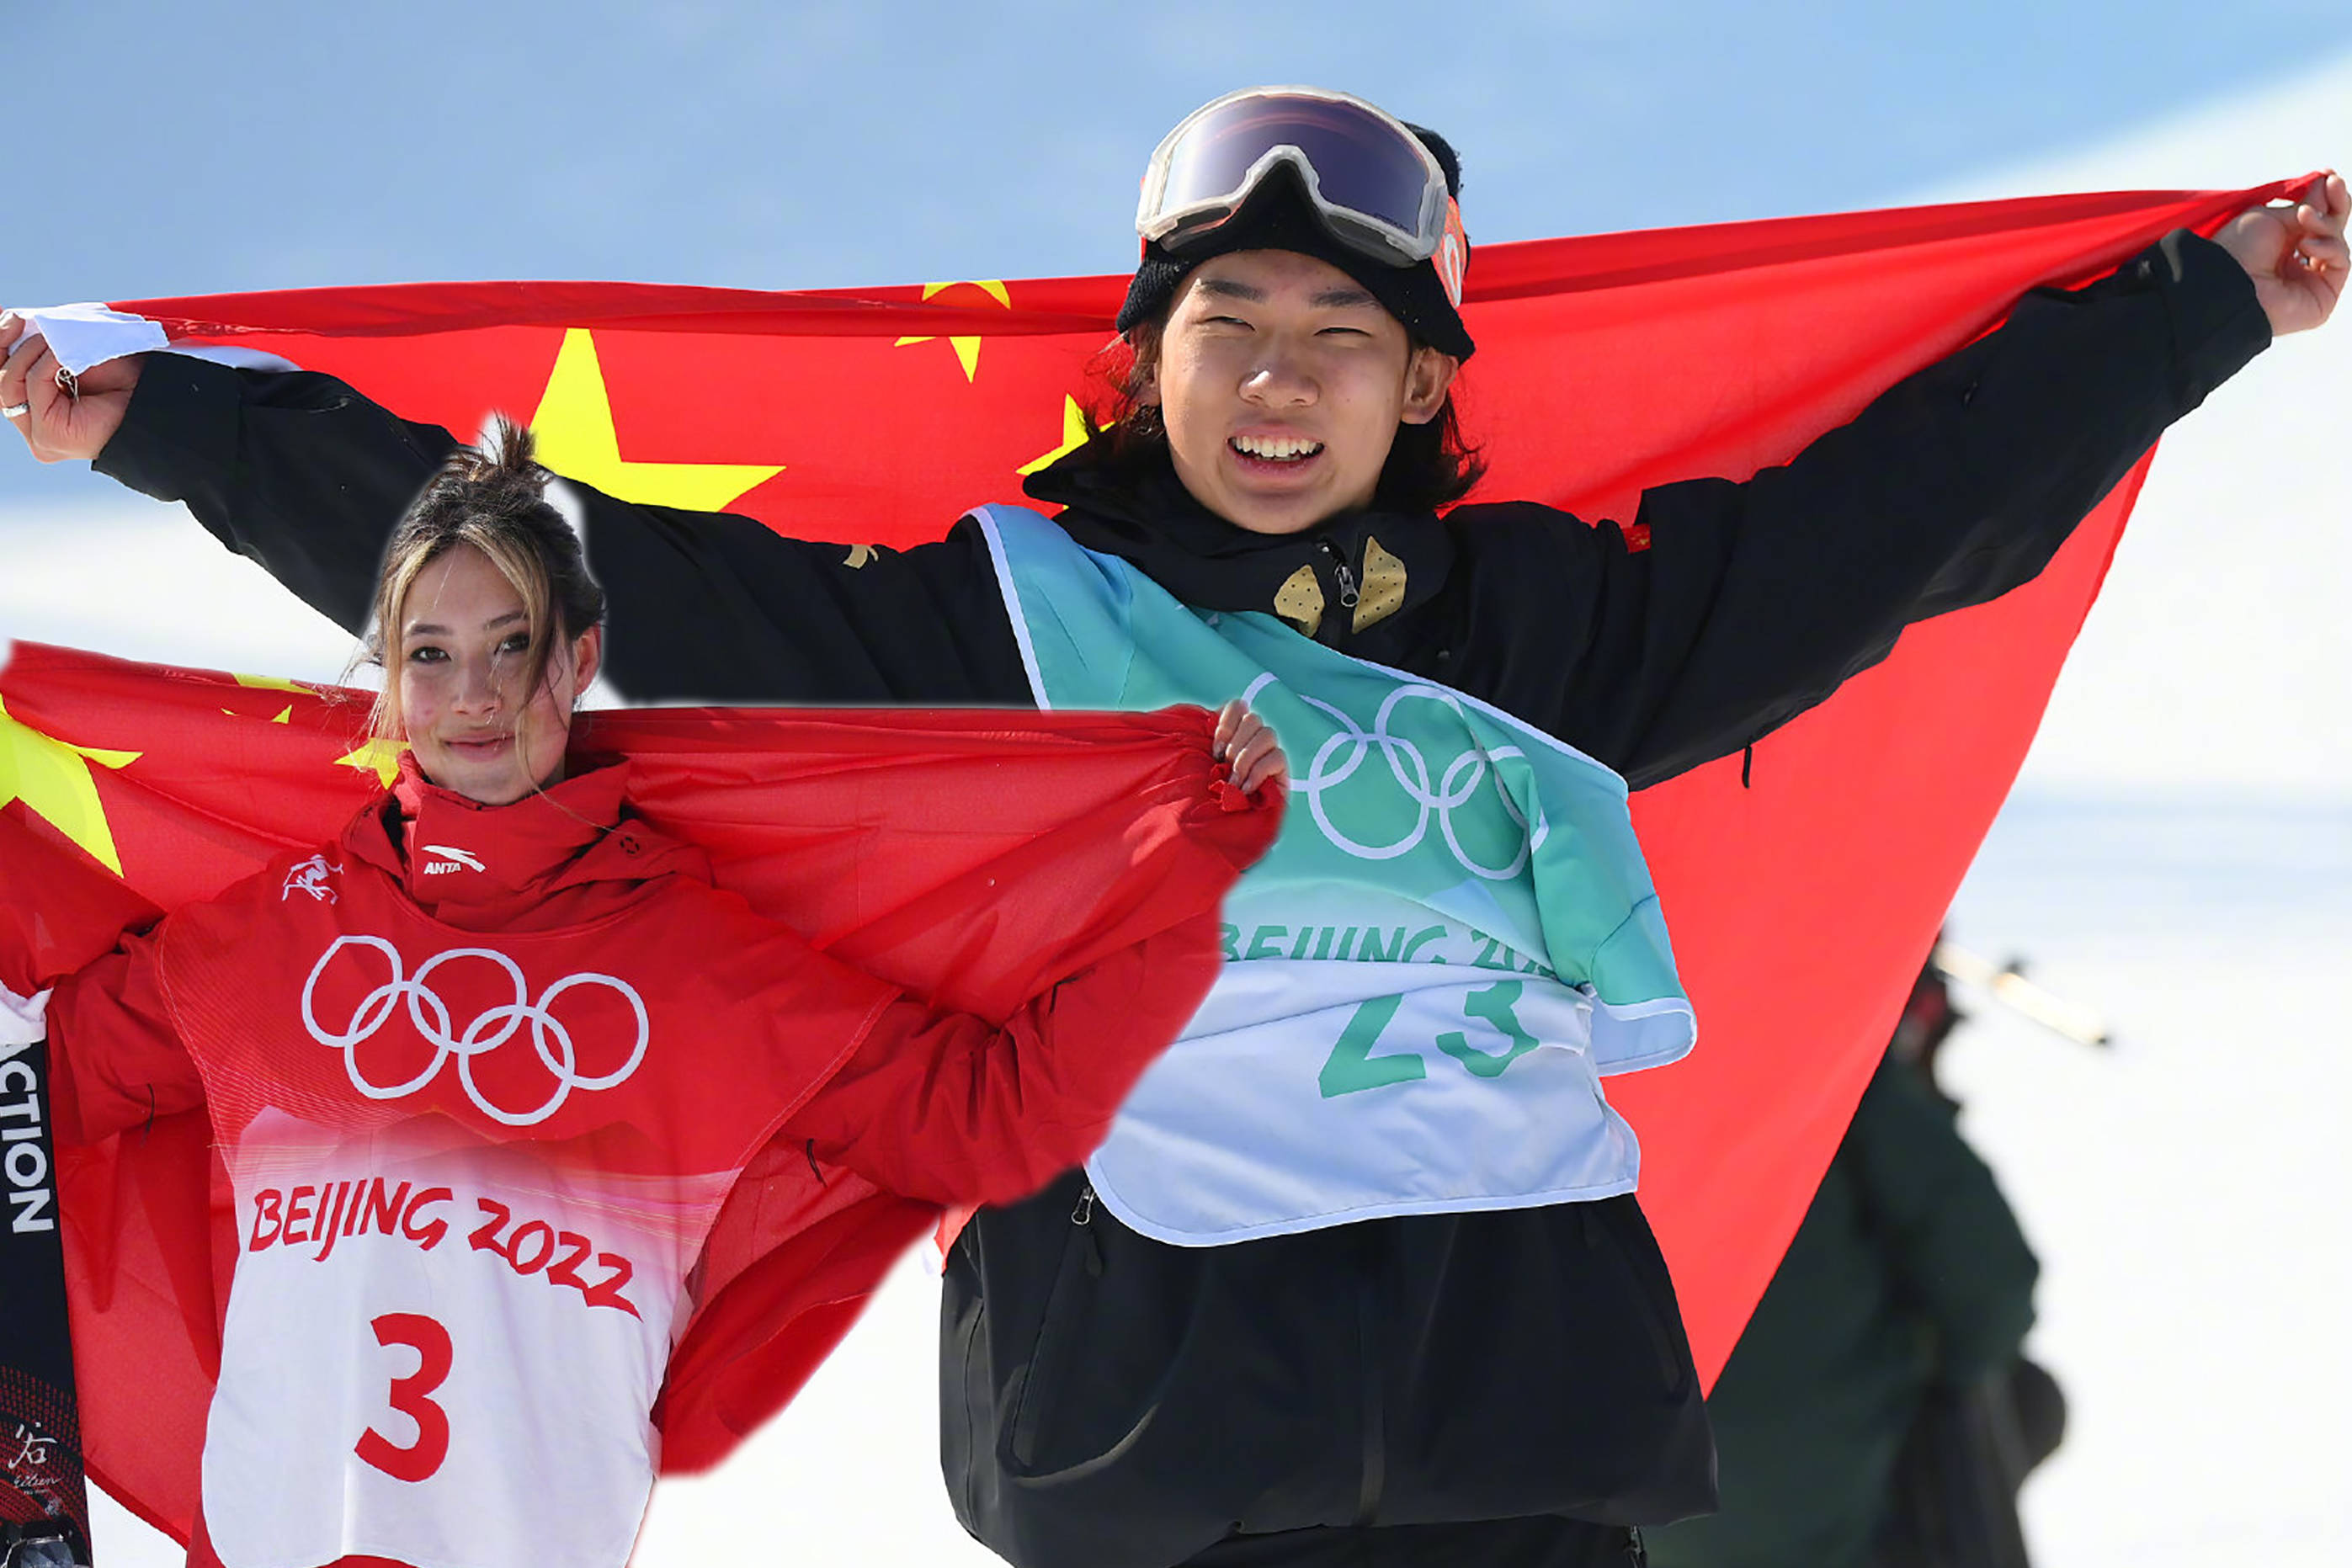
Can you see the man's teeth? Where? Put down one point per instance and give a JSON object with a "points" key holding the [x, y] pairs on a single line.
{"points": [[1278, 447]]}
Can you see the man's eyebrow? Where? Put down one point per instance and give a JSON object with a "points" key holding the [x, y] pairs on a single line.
{"points": [[1231, 288], [1340, 297]]}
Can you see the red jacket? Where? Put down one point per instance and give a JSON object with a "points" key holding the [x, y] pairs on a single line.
{"points": [[480, 1080]]}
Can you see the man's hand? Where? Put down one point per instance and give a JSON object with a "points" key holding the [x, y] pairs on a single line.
{"points": [[2295, 255], [58, 423]]}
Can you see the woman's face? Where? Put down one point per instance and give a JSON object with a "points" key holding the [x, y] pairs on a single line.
{"points": [[1281, 382], [464, 637]]}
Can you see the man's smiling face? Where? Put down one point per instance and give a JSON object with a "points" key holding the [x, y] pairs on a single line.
{"points": [[1281, 381]]}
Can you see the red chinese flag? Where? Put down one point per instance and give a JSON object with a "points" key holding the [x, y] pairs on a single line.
{"points": [[1801, 908]]}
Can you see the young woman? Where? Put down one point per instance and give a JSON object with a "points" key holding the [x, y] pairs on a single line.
{"points": [[1362, 1281], [483, 1071]]}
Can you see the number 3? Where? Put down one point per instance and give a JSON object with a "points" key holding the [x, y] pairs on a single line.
{"points": [[1493, 1006], [409, 1396]]}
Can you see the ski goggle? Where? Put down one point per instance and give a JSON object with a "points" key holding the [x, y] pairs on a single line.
{"points": [[1377, 189]]}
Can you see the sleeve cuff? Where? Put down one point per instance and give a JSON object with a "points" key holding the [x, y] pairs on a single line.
{"points": [[180, 430], [2218, 324]]}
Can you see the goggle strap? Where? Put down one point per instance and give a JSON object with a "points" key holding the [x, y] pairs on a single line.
{"points": [[1452, 259]]}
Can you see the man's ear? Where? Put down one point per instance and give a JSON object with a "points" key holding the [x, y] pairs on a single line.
{"points": [[1428, 376], [1147, 337]]}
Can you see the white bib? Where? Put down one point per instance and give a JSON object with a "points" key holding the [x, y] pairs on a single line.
{"points": [[444, 1333], [1306, 1095]]}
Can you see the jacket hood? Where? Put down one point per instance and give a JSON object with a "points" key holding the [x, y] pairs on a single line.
{"points": [[555, 856], [1339, 578]]}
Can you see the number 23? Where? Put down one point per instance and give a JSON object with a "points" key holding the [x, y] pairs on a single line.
{"points": [[1351, 1067]]}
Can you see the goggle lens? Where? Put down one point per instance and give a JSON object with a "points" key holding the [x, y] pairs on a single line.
{"points": [[1366, 168]]}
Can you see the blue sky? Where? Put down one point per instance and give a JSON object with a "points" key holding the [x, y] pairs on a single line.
{"points": [[170, 148], [197, 148]]}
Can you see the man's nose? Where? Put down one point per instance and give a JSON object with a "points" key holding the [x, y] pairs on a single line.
{"points": [[1280, 378]]}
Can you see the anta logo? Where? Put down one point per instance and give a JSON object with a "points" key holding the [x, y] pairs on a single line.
{"points": [[369, 979], [452, 859], [310, 877]]}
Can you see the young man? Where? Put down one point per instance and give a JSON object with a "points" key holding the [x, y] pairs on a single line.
{"points": [[1424, 1339]]}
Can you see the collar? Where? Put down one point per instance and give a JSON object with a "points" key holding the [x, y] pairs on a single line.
{"points": [[1331, 583], [473, 866]]}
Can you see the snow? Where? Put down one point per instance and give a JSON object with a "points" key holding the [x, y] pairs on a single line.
{"points": [[2184, 1189], [2180, 856], [136, 579]]}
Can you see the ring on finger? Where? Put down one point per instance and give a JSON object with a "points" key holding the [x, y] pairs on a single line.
{"points": [[67, 384], [14, 410]]}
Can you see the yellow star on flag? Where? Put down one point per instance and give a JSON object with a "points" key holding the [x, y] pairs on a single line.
{"points": [[1074, 435], [377, 755], [53, 779], [270, 683], [576, 439], [967, 348]]}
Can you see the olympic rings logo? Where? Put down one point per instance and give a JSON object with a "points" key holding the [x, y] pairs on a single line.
{"points": [[1450, 790], [487, 1030]]}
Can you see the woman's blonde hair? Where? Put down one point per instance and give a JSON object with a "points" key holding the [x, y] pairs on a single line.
{"points": [[493, 497]]}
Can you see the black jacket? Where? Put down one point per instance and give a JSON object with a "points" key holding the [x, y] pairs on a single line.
{"points": [[1107, 1400]]}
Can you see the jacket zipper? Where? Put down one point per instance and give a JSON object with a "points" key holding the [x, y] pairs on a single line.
{"points": [[1346, 576], [1083, 1217]]}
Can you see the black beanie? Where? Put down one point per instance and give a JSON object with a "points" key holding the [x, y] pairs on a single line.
{"points": [[1279, 216]]}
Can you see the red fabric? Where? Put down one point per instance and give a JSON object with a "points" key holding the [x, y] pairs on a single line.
{"points": [[878, 835]]}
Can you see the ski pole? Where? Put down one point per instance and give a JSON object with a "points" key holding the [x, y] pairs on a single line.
{"points": [[2006, 984]]}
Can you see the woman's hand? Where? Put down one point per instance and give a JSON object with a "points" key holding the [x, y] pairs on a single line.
{"points": [[2295, 255], [57, 423], [1246, 743]]}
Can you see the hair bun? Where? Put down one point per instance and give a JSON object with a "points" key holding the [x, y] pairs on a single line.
{"points": [[503, 464]]}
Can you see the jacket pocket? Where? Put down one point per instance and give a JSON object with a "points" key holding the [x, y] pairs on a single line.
{"points": [[1650, 1299], [1040, 1378]]}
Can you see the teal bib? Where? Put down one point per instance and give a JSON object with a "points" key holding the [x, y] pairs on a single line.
{"points": [[1452, 940]]}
